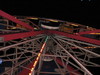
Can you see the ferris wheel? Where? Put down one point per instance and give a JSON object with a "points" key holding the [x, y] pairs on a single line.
{"points": [[42, 46]]}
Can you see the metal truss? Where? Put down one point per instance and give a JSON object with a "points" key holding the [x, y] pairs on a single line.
{"points": [[26, 49], [71, 56], [12, 18], [20, 53], [75, 49], [74, 56]]}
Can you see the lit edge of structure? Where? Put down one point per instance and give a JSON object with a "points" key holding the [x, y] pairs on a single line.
{"points": [[39, 54]]}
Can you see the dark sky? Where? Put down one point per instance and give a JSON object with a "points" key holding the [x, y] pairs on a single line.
{"points": [[83, 12]]}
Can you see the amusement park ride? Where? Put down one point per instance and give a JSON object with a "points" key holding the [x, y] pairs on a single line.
{"points": [[41, 46]]}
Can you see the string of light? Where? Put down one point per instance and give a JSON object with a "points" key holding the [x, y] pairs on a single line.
{"points": [[39, 54]]}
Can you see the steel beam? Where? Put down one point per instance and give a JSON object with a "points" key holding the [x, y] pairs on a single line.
{"points": [[7, 47], [73, 40], [10, 37], [88, 32], [86, 50], [85, 69], [76, 37], [12, 18]]}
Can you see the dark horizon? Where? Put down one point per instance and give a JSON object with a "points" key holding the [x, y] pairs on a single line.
{"points": [[84, 12]]}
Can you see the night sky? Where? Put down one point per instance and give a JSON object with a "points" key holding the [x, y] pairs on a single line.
{"points": [[83, 12]]}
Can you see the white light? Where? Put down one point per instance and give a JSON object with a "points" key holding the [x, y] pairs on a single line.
{"points": [[49, 27], [1, 61]]}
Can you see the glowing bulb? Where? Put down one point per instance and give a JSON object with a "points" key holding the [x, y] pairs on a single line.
{"points": [[29, 73]]}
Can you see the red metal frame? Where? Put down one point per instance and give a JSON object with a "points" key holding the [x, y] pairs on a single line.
{"points": [[26, 71], [68, 67], [9, 37], [33, 33], [12, 18], [77, 37], [88, 32]]}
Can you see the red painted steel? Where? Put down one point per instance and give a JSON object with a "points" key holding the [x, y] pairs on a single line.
{"points": [[26, 71], [33, 33], [77, 37], [27, 34], [70, 68], [88, 32], [12, 18], [9, 37]]}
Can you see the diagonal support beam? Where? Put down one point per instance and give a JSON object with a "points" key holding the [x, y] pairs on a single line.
{"points": [[70, 68], [95, 54], [7, 47], [86, 71], [76, 37], [38, 57], [10, 37], [12, 18]]}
